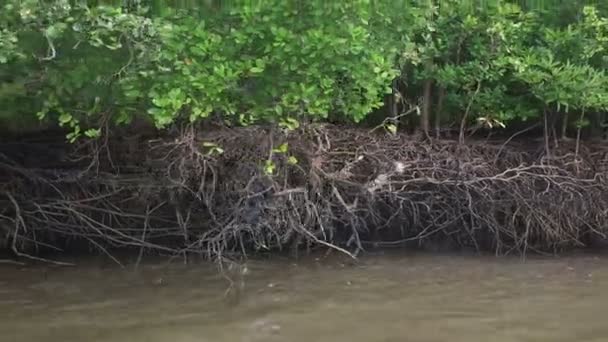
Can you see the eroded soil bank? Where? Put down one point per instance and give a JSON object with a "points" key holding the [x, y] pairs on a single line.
{"points": [[233, 192]]}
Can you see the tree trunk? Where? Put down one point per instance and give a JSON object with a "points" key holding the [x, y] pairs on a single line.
{"points": [[564, 126], [578, 135], [553, 121], [426, 102], [438, 112], [465, 116], [393, 103], [546, 132]]}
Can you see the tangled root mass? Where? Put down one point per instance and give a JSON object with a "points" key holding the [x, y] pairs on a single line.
{"points": [[349, 189]]}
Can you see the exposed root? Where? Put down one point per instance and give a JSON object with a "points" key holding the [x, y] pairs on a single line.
{"points": [[349, 189]]}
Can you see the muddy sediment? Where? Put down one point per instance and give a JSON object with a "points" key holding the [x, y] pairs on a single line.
{"points": [[233, 192]]}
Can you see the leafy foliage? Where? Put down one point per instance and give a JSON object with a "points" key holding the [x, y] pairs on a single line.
{"points": [[85, 64]]}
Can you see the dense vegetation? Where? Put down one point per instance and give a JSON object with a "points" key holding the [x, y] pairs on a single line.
{"points": [[92, 64], [263, 178]]}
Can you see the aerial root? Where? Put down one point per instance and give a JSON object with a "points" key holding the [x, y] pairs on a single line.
{"points": [[210, 193]]}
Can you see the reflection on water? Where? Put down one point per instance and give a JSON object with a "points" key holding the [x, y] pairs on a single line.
{"points": [[382, 298]]}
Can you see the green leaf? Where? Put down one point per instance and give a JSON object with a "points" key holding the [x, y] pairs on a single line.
{"points": [[73, 136], [64, 118], [292, 160], [283, 148], [93, 133], [42, 114], [269, 167], [290, 124], [256, 70], [133, 93]]}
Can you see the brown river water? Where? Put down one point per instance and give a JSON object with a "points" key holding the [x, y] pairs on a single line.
{"points": [[380, 298]]}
